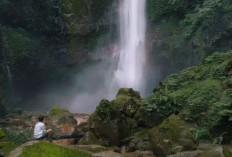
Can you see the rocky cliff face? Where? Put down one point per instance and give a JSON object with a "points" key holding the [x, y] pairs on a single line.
{"points": [[88, 21]]}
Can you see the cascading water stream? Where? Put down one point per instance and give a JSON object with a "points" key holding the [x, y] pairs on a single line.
{"points": [[122, 67], [130, 69]]}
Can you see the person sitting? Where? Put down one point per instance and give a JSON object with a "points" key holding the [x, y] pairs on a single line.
{"points": [[40, 132]]}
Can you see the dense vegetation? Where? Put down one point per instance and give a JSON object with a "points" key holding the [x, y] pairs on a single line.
{"points": [[185, 32], [39, 42], [201, 95], [186, 109]]}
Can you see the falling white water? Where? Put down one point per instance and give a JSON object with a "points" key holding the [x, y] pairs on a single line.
{"points": [[130, 70], [122, 65]]}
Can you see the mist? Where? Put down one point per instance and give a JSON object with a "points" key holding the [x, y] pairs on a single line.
{"points": [[118, 64]]}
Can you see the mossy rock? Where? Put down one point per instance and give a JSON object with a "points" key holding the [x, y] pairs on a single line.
{"points": [[171, 136], [114, 120], [128, 92], [57, 111], [139, 141], [61, 121], [110, 133], [61, 116], [46, 149]]}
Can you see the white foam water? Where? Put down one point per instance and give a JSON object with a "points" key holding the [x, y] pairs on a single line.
{"points": [[130, 69]]}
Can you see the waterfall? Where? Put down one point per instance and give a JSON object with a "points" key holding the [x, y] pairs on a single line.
{"points": [[130, 68], [122, 65]]}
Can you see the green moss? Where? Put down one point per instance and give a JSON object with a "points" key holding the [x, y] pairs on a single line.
{"points": [[56, 111], [45, 149], [115, 120], [19, 137], [6, 147], [171, 129], [128, 92], [227, 151], [3, 136], [170, 133]]}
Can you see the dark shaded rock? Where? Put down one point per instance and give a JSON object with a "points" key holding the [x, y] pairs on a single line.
{"points": [[172, 136], [138, 141], [88, 139]]}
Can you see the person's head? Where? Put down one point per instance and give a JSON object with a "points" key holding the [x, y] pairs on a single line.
{"points": [[41, 118]]}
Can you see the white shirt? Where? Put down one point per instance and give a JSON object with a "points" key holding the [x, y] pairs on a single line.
{"points": [[39, 130]]}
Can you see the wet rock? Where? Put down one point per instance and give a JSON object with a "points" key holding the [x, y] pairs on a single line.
{"points": [[89, 138], [172, 136]]}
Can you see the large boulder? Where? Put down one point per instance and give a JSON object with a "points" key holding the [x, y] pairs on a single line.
{"points": [[172, 136], [61, 120], [114, 121]]}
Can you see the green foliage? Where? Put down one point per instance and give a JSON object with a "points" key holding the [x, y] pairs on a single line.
{"points": [[201, 134], [104, 110], [38, 40], [45, 149], [201, 94], [159, 8], [195, 30], [19, 137], [156, 102], [3, 136]]}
